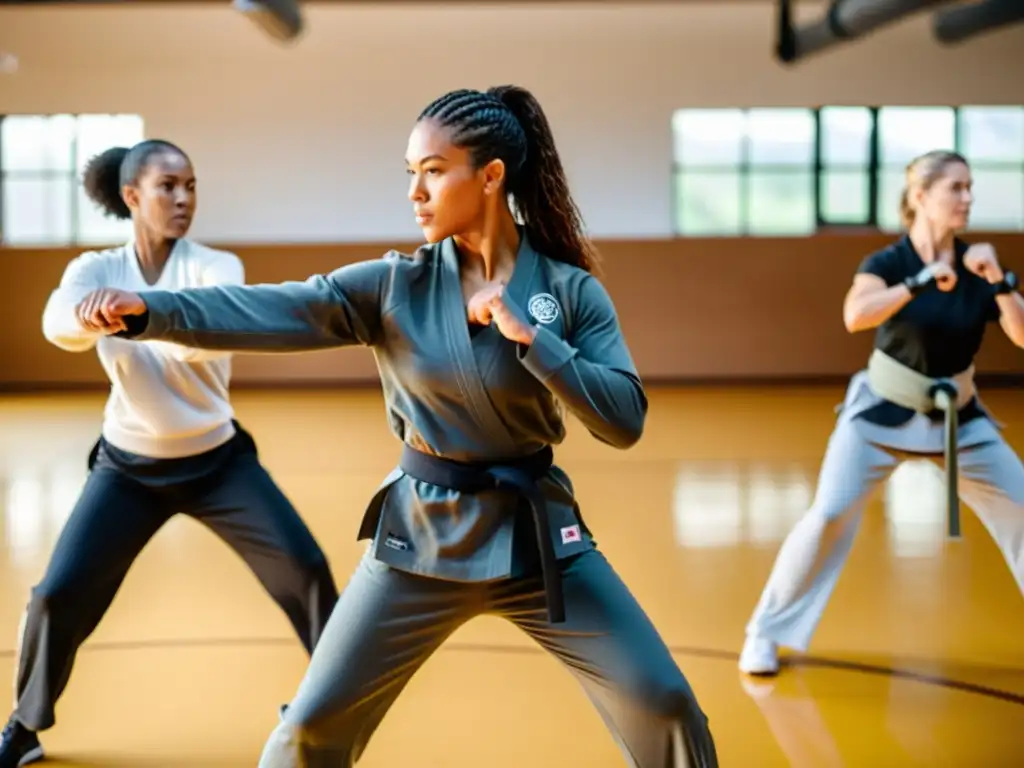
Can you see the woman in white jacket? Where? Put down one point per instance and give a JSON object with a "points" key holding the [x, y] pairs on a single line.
{"points": [[169, 444]]}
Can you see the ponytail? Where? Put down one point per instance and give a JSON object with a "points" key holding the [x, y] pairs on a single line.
{"points": [[541, 190], [507, 123], [102, 182], [108, 172]]}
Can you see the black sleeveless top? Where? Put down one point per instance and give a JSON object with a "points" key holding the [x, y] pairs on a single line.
{"points": [[936, 333]]}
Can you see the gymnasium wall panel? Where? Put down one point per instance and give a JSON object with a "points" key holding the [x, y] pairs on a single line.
{"points": [[692, 310]]}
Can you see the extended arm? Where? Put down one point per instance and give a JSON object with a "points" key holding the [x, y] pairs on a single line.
{"points": [[335, 310], [61, 325], [593, 372], [226, 270]]}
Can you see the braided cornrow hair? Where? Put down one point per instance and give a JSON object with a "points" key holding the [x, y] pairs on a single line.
{"points": [[507, 123]]}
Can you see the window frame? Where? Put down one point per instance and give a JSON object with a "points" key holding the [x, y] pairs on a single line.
{"points": [[744, 169], [873, 167], [76, 238]]}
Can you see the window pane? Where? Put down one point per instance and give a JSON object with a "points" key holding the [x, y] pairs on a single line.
{"points": [[998, 200], [37, 142], [781, 203], [94, 228], [37, 211], [845, 135], [844, 196], [708, 136], [992, 134], [781, 136], [906, 132], [890, 188], [97, 133], [708, 203]]}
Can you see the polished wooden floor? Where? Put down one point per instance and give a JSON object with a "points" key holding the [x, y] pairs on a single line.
{"points": [[919, 660]]}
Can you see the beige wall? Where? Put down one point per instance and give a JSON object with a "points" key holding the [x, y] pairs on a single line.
{"points": [[305, 143]]}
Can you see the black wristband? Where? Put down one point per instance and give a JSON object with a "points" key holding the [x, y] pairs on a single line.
{"points": [[916, 285], [1007, 285], [134, 325]]}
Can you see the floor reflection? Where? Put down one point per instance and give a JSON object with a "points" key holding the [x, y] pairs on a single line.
{"points": [[24, 518], [795, 720], [915, 509], [721, 504], [718, 504], [707, 505], [36, 504], [777, 499]]}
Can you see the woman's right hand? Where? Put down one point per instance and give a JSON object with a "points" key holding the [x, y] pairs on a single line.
{"points": [[939, 272], [104, 309], [943, 274]]}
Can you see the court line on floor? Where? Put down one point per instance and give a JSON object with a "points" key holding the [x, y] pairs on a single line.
{"points": [[879, 670]]}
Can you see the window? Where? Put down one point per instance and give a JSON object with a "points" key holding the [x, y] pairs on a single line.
{"points": [[789, 171], [41, 161], [992, 138], [718, 505], [903, 134], [744, 171], [37, 158], [780, 179], [844, 183]]}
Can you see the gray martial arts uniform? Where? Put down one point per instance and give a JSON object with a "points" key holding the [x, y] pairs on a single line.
{"points": [[492, 527], [937, 334]]}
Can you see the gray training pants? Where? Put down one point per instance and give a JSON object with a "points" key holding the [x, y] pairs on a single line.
{"points": [[813, 554], [387, 623]]}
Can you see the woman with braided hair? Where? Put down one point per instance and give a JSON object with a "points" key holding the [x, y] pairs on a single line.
{"points": [[482, 336]]}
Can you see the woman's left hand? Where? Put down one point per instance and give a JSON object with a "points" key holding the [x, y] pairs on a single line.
{"points": [[488, 305], [981, 260], [105, 309]]}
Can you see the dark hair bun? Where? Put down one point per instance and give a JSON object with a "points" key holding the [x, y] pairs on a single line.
{"points": [[102, 182]]}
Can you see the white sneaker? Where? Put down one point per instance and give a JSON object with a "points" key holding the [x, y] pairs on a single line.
{"points": [[759, 657]]}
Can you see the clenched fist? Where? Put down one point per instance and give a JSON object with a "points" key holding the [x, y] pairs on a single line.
{"points": [[981, 260], [488, 305], [937, 273], [943, 274], [105, 309]]}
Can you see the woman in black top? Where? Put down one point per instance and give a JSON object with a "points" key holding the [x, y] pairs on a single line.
{"points": [[930, 296]]}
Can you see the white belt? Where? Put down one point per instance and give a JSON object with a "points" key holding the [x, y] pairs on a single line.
{"points": [[904, 386]]}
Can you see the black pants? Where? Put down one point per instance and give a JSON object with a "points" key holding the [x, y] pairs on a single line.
{"points": [[125, 501]]}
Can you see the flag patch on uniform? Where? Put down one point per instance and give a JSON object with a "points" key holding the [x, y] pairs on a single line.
{"points": [[571, 533]]}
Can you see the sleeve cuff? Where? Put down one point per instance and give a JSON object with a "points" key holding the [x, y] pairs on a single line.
{"points": [[546, 355], [135, 325], [152, 323]]}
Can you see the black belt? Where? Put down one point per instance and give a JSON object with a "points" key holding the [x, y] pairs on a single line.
{"points": [[519, 475]]}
